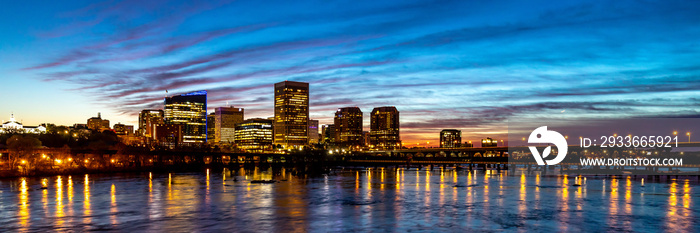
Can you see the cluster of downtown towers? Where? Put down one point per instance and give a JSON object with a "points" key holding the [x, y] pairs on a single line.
{"points": [[184, 119]]}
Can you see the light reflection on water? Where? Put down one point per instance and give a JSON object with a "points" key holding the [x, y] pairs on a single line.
{"points": [[370, 199]]}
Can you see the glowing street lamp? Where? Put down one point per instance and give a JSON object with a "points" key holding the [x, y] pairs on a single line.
{"points": [[675, 133], [688, 133]]}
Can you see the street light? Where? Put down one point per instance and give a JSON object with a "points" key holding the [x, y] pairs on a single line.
{"points": [[688, 133], [675, 132]]}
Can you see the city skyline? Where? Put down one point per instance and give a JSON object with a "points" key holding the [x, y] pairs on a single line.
{"points": [[471, 69]]}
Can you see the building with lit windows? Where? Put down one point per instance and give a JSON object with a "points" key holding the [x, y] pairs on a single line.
{"points": [[467, 144], [489, 142], [348, 127], [291, 114], [450, 138], [190, 111], [210, 127], [97, 123], [122, 129], [169, 135], [254, 135], [384, 128], [13, 126], [148, 119], [328, 134], [314, 136], [225, 121]]}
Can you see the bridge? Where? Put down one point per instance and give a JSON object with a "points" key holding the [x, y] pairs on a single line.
{"points": [[501, 150]]}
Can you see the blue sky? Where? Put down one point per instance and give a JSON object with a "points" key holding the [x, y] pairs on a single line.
{"points": [[470, 65]]}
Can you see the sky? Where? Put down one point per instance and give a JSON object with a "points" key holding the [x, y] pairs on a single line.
{"points": [[468, 65]]}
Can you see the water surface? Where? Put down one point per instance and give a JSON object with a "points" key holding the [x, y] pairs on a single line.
{"points": [[347, 200]]}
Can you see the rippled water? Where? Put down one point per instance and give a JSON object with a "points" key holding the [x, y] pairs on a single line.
{"points": [[348, 200]]}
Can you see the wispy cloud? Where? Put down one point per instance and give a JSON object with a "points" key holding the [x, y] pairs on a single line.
{"points": [[450, 64]]}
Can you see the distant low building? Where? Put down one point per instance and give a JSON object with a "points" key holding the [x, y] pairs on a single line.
{"points": [[97, 123], [14, 126], [450, 138], [489, 142], [79, 126], [168, 134], [122, 129], [467, 144]]}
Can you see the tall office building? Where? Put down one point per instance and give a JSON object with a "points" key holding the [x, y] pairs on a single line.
{"points": [[190, 111], [313, 132], [348, 126], [384, 128], [291, 114], [254, 135], [148, 119], [225, 121], [450, 138]]}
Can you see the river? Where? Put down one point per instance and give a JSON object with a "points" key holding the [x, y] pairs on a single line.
{"points": [[382, 200]]}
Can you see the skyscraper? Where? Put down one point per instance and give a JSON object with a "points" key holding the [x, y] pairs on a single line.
{"points": [[313, 132], [450, 138], [225, 120], [384, 128], [348, 126], [291, 114], [190, 111], [148, 119]]}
